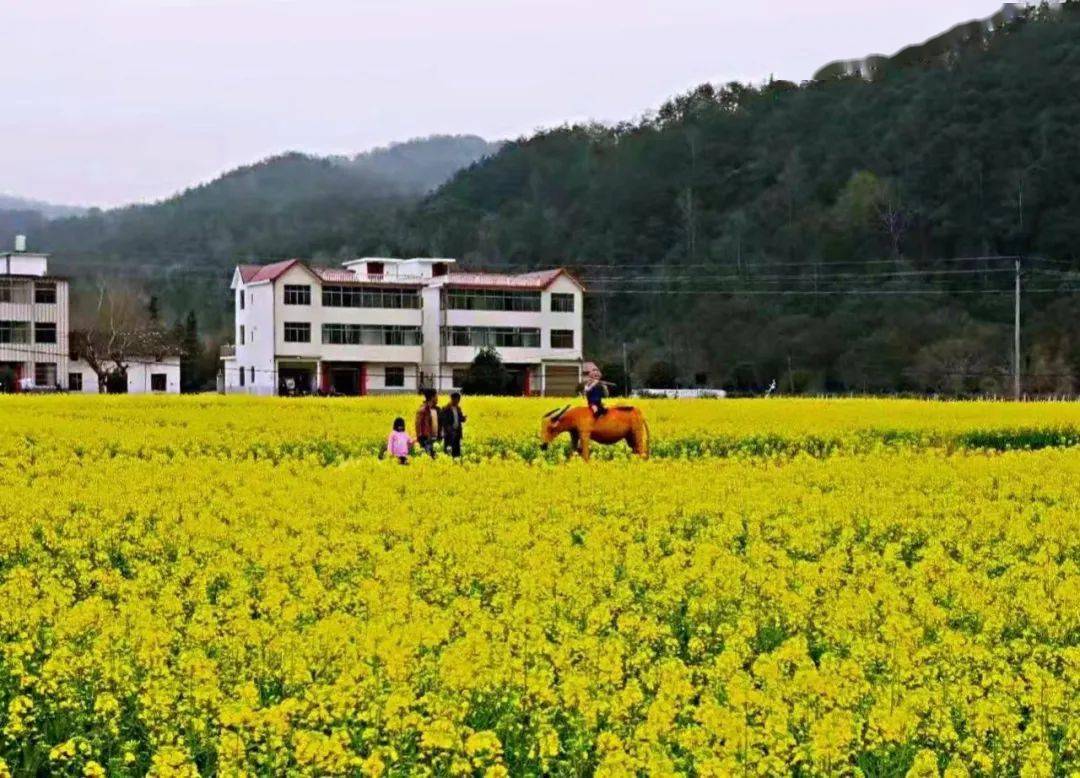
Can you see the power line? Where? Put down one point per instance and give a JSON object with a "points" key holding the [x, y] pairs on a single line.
{"points": [[803, 277], [772, 263], [112, 257], [823, 292]]}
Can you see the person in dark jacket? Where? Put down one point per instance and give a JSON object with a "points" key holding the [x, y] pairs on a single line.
{"points": [[427, 422], [452, 424]]}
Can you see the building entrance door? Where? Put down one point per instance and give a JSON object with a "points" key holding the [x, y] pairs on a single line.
{"points": [[10, 373], [295, 381], [345, 380]]}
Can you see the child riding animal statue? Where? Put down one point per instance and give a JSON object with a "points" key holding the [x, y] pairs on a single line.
{"points": [[616, 424]]}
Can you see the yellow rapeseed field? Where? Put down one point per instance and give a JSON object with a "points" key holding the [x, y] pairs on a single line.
{"points": [[196, 586]]}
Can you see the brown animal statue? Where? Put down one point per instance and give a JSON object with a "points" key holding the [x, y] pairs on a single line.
{"points": [[619, 423]]}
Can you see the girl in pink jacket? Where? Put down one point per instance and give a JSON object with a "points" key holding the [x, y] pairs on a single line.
{"points": [[399, 444]]}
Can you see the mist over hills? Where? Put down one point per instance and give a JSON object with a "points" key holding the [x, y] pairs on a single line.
{"points": [[294, 204], [47, 210]]}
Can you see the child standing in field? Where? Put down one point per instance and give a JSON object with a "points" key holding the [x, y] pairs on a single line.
{"points": [[399, 444]]}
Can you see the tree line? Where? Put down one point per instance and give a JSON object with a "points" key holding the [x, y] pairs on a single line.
{"points": [[794, 197]]}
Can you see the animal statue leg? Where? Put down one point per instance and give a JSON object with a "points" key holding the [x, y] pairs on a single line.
{"points": [[641, 441]]}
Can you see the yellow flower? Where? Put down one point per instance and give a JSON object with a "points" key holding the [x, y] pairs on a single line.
{"points": [[440, 735], [793, 586], [924, 766]]}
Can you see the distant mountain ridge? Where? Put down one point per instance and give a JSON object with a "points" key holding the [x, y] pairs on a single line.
{"points": [[292, 204], [410, 168], [47, 210], [423, 164]]}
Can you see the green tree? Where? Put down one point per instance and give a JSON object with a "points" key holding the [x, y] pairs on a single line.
{"points": [[487, 374], [192, 378], [662, 375]]}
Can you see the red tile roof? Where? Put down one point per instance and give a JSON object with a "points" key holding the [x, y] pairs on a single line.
{"points": [[253, 274], [539, 279]]}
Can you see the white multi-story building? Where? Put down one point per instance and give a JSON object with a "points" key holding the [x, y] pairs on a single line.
{"points": [[33, 323], [35, 335], [398, 325]]}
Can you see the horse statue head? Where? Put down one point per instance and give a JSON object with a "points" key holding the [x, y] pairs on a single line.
{"points": [[550, 427]]}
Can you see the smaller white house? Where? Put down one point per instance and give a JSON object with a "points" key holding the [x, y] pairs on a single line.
{"points": [[145, 375]]}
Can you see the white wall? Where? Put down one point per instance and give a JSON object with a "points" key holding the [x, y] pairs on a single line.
{"points": [[139, 371], [316, 315], [24, 264], [28, 354], [376, 383], [563, 321], [433, 353], [139, 374], [544, 320], [257, 349]]}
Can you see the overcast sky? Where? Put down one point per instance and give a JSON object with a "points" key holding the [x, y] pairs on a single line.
{"points": [[115, 101]]}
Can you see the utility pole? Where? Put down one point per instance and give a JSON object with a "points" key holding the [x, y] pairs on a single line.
{"points": [[626, 369], [1016, 335]]}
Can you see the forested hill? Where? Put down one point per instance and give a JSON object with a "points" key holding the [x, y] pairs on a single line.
{"points": [[181, 249], [782, 193], [285, 205]]}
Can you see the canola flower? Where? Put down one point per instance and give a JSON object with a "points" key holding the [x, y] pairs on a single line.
{"points": [[342, 428], [176, 607]]}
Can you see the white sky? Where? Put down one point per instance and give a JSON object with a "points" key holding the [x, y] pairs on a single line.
{"points": [[113, 101]]}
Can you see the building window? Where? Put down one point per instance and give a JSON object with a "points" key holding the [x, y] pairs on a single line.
{"points": [[395, 377], [158, 382], [241, 299], [252, 374], [12, 291], [241, 376], [44, 332], [242, 335], [562, 303], [74, 382], [491, 300], [562, 338], [371, 335], [45, 292], [495, 337], [44, 374], [14, 332], [297, 332], [297, 294], [370, 297], [459, 377]]}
